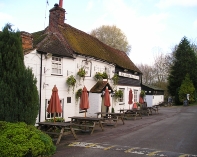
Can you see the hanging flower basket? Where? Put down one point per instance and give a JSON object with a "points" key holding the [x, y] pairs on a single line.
{"points": [[142, 94], [115, 79], [78, 94], [71, 81], [81, 73]]}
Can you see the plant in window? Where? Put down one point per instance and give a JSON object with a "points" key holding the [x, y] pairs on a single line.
{"points": [[118, 94], [104, 75], [115, 79], [71, 81], [78, 94], [98, 76], [81, 73]]}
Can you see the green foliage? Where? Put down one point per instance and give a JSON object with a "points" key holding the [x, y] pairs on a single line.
{"points": [[118, 94], [187, 87], [100, 76], [112, 110], [20, 139], [115, 79], [142, 93], [112, 36], [104, 75], [78, 94], [81, 73], [184, 62], [71, 81], [56, 120], [18, 92]]}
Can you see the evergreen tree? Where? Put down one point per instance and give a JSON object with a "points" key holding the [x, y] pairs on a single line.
{"points": [[18, 92], [184, 62], [187, 87]]}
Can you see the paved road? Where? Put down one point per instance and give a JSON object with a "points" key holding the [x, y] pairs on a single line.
{"points": [[171, 133]]}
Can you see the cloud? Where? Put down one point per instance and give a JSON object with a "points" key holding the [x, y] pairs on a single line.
{"points": [[182, 3]]}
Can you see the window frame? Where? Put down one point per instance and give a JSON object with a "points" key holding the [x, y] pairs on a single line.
{"points": [[58, 62], [59, 115], [135, 95]]}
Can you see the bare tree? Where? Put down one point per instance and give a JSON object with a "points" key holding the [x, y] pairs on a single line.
{"points": [[147, 71], [112, 36], [161, 68]]}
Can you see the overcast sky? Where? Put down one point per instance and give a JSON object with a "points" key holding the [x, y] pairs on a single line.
{"points": [[151, 26]]}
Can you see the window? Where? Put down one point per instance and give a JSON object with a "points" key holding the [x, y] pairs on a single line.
{"points": [[56, 65], [51, 115], [122, 98], [135, 96]]}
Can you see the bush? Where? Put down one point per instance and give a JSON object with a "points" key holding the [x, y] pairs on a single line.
{"points": [[22, 140]]}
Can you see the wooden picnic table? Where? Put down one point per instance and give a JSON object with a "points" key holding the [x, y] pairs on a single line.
{"points": [[57, 128], [131, 112], [87, 122], [154, 108], [112, 117]]}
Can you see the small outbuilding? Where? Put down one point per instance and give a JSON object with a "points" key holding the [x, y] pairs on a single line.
{"points": [[154, 95]]}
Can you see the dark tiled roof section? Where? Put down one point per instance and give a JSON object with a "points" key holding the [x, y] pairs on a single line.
{"points": [[100, 86], [38, 37], [85, 44], [152, 87], [51, 43]]}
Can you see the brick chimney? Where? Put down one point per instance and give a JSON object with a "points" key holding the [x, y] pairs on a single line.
{"points": [[27, 41], [56, 17]]}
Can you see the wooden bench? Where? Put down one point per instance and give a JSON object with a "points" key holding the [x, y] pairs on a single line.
{"points": [[86, 122], [57, 128], [154, 108], [133, 113]]}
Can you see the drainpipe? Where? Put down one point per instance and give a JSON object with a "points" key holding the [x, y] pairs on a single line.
{"points": [[40, 84]]}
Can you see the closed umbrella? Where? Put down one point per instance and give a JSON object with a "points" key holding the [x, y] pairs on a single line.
{"points": [[54, 104], [141, 100], [130, 98], [107, 99], [84, 102]]}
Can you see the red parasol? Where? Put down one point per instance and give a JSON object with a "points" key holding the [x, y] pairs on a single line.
{"points": [[84, 102], [107, 99], [130, 98], [54, 104], [141, 100], [134, 105]]}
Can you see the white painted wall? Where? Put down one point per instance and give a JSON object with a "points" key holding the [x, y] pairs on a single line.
{"points": [[153, 100], [70, 67]]}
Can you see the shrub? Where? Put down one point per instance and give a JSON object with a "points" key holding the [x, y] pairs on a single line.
{"points": [[21, 140]]}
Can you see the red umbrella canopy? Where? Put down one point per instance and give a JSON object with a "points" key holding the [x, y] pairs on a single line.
{"points": [[54, 104], [107, 98], [141, 100], [130, 97], [84, 102]]}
